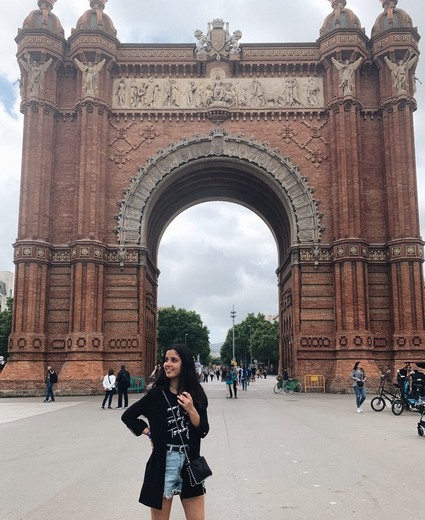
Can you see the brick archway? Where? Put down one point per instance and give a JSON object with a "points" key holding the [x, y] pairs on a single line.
{"points": [[350, 278], [204, 167]]}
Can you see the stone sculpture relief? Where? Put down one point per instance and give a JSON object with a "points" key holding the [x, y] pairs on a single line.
{"points": [[35, 72], [346, 74], [217, 91], [90, 75], [400, 73]]}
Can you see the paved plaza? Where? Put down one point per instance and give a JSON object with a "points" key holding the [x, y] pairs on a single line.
{"points": [[299, 456]]}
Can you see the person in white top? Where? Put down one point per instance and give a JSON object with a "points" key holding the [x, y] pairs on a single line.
{"points": [[110, 388]]}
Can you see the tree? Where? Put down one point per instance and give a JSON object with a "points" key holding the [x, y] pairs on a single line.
{"points": [[244, 340], [5, 326], [265, 342], [182, 326]]}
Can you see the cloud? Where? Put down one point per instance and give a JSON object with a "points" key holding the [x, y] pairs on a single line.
{"points": [[216, 254]]}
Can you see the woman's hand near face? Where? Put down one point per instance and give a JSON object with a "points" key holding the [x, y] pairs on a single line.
{"points": [[186, 402]]}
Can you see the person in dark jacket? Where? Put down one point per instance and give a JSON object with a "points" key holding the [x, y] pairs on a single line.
{"points": [[172, 414], [51, 379], [123, 383]]}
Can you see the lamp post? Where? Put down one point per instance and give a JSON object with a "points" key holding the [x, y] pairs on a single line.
{"points": [[233, 316], [185, 339]]}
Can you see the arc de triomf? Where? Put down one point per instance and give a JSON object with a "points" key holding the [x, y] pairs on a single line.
{"points": [[315, 138]]}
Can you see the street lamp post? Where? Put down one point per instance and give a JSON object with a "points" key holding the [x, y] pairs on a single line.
{"points": [[185, 339], [233, 316]]}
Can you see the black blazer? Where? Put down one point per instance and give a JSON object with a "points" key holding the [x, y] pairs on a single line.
{"points": [[153, 407]]}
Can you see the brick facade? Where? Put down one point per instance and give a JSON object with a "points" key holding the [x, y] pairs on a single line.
{"points": [[110, 158]]}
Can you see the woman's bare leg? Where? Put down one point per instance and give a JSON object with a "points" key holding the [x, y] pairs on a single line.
{"points": [[164, 513], [194, 508]]}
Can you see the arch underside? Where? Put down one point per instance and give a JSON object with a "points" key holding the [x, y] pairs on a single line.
{"points": [[218, 167]]}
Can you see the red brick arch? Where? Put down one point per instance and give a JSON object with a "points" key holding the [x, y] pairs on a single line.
{"points": [[219, 166]]}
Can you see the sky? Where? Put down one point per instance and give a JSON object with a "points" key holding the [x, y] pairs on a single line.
{"points": [[216, 255]]}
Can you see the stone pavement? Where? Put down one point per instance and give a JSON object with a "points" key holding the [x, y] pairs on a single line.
{"points": [[299, 456]]}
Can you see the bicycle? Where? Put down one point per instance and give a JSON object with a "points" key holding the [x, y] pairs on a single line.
{"points": [[379, 403], [292, 385], [412, 391]]}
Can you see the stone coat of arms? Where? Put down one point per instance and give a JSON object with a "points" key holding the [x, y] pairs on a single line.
{"points": [[218, 43]]}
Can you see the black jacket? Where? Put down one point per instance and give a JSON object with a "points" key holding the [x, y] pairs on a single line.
{"points": [[153, 407], [123, 378], [51, 377]]}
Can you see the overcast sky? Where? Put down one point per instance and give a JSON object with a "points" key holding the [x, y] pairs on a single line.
{"points": [[214, 255]]}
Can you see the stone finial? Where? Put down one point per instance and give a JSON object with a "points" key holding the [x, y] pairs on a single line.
{"points": [[98, 4], [46, 4], [338, 4], [389, 6]]}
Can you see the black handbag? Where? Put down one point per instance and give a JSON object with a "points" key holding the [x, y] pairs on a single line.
{"points": [[360, 383], [198, 469]]}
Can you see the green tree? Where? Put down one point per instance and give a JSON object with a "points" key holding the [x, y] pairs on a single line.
{"points": [[5, 326], [265, 342], [182, 326], [244, 334]]}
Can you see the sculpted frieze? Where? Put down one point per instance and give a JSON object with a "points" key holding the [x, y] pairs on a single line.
{"points": [[289, 92]]}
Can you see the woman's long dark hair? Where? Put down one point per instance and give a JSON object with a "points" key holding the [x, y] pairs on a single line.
{"points": [[356, 364], [188, 380]]}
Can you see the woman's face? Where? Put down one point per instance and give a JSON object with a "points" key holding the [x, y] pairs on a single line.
{"points": [[172, 364]]}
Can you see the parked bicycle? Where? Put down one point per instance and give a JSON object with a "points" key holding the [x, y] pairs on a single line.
{"points": [[379, 402], [289, 386]]}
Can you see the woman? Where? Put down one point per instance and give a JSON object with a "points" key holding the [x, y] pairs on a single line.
{"points": [[109, 386], [176, 413], [359, 379], [229, 382]]}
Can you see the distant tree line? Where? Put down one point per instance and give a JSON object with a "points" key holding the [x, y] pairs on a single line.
{"points": [[5, 326]]}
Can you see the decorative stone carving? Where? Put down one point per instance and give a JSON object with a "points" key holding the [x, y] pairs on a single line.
{"points": [[346, 74], [218, 143], [36, 72], [400, 73], [90, 76], [217, 43], [218, 91]]}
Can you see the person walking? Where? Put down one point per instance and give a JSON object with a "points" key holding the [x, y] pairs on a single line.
{"points": [[358, 376], [244, 378], [229, 382], [123, 384], [51, 379], [109, 386], [235, 381], [173, 415]]}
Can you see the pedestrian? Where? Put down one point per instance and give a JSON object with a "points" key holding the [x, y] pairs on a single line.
{"points": [[51, 379], [285, 379], [244, 378], [359, 380], [123, 384], [110, 388], [173, 415], [235, 381], [229, 383], [153, 376]]}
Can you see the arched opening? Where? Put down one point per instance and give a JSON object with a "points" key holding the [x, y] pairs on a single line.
{"points": [[215, 255], [219, 167]]}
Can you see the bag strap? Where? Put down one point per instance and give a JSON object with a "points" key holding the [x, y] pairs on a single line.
{"points": [[178, 429]]}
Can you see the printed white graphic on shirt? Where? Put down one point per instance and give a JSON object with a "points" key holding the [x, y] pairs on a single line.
{"points": [[175, 430]]}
